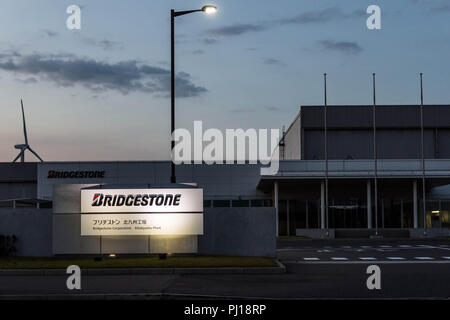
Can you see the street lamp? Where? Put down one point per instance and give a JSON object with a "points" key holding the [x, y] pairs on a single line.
{"points": [[208, 9]]}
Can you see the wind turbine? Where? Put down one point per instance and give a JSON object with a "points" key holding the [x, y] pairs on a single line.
{"points": [[25, 146]]}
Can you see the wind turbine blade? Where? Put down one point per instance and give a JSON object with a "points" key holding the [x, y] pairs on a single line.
{"points": [[18, 156], [32, 151], [24, 125]]}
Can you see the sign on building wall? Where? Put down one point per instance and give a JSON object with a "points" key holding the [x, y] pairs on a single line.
{"points": [[141, 212]]}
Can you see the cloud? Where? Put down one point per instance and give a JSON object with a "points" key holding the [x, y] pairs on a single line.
{"points": [[441, 9], [106, 45], [236, 29], [321, 16], [68, 70], [28, 80], [258, 109], [273, 62], [341, 46], [50, 33], [310, 17], [198, 51], [209, 41]]}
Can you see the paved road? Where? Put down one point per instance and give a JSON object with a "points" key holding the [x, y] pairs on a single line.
{"points": [[379, 251], [323, 278]]}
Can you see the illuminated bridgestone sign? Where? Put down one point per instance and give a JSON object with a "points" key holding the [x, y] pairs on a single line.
{"points": [[159, 211], [141, 200]]}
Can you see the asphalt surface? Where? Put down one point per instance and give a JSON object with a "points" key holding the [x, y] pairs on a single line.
{"points": [[380, 251], [421, 269]]}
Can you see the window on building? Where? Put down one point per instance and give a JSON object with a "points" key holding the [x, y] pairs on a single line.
{"points": [[207, 203], [221, 203], [240, 203], [257, 203]]}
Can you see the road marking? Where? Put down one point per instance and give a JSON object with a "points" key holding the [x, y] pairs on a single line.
{"points": [[290, 249], [385, 246], [395, 258], [446, 258], [339, 259], [442, 248], [404, 246], [366, 247], [366, 262], [367, 258], [311, 259], [423, 258]]}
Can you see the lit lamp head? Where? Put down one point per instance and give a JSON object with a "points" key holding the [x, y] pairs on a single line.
{"points": [[209, 9]]}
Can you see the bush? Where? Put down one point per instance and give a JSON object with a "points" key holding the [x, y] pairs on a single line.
{"points": [[8, 245]]}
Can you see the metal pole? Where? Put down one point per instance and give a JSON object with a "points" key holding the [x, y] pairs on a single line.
{"points": [[288, 217], [369, 205], [172, 93], [326, 151], [375, 154], [423, 157], [277, 207]]}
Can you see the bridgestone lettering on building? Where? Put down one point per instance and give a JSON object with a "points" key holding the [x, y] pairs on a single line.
{"points": [[75, 174]]}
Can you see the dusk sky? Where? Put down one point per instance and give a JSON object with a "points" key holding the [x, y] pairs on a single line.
{"points": [[102, 92]]}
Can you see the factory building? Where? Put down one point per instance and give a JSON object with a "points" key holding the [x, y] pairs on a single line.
{"points": [[298, 192]]}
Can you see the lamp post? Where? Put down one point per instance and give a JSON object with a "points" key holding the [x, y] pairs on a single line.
{"points": [[209, 10]]}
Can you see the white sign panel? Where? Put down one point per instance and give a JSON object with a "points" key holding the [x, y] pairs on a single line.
{"points": [[142, 224], [141, 200]]}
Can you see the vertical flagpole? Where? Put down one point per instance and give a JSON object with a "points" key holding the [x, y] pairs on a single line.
{"points": [[423, 157], [173, 178], [375, 153], [326, 151]]}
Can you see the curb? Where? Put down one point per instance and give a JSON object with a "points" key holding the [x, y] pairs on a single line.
{"points": [[148, 271]]}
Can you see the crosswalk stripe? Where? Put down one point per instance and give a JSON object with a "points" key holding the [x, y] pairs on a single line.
{"points": [[446, 258], [367, 258], [385, 246], [405, 246], [311, 259], [424, 258], [395, 258], [339, 259]]}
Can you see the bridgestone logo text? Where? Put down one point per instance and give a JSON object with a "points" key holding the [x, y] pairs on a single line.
{"points": [[135, 200], [75, 174]]}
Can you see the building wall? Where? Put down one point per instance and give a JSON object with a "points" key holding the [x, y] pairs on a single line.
{"points": [[18, 180], [358, 144], [239, 232], [350, 132], [292, 141], [32, 227], [218, 181]]}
